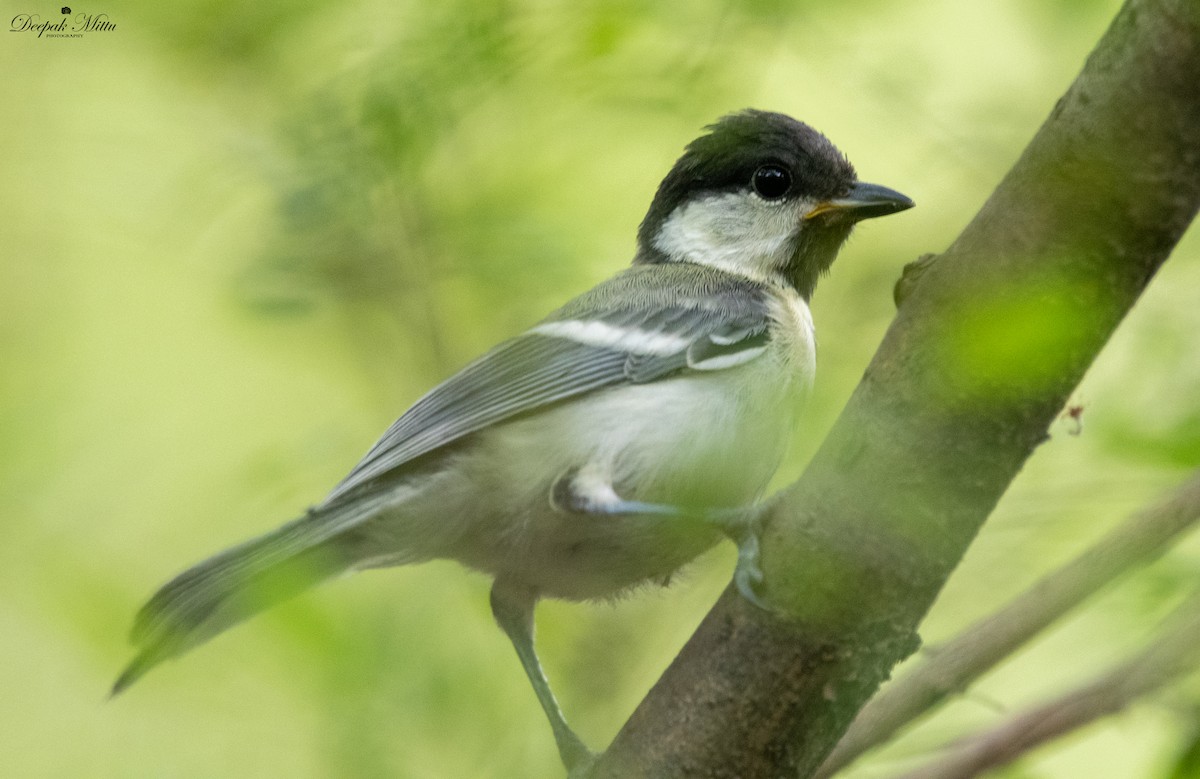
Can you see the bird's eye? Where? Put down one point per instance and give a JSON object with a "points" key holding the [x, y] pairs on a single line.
{"points": [[771, 182]]}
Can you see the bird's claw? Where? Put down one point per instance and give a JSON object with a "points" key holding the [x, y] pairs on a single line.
{"points": [[748, 576], [744, 527]]}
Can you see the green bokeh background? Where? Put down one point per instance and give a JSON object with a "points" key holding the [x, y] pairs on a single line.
{"points": [[238, 239]]}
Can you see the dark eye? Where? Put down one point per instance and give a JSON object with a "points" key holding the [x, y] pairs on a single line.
{"points": [[771, 182]]}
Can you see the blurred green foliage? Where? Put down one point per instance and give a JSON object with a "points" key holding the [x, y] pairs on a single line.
{"points": [[238, 239], [1009, 343]]}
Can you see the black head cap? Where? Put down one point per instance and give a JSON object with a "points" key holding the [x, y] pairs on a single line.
{"points": [[736, 146]]}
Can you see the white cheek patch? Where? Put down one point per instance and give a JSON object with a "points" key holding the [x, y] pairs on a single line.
{"points": [[736, 232], [608, 336]]}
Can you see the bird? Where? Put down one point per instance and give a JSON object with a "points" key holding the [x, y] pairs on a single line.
{"points": [[606, 446]]}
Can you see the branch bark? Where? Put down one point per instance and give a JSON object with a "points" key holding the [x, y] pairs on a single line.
{"points": [[949, 409], [953, 666], [1175, 652]]}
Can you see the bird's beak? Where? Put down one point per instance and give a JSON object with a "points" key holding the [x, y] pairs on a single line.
{"points": [[863, 201]]}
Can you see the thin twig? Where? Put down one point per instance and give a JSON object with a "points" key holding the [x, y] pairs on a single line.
{"points": [[952, 667], [1173, 653]]}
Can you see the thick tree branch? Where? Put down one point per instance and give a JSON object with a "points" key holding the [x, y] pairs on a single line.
{"points": [[953, 666], [980, 359], [1174, 652]]}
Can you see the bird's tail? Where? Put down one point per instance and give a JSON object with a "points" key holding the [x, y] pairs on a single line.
{"points": [[229, 587]]}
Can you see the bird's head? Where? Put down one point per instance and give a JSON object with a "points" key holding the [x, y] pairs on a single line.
{"points": [[761, 195]]}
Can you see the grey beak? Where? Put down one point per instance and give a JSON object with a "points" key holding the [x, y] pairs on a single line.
{"points": [[864, 201]]}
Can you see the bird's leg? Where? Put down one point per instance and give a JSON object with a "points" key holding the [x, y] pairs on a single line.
{"points": [[580, 491], [513, 609]]}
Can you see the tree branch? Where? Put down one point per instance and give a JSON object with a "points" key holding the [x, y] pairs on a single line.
{"points": [[952, 667], [982, 355], [1173, 653]]}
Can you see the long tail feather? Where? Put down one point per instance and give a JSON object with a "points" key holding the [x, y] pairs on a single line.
{"points": [[231, 586]]}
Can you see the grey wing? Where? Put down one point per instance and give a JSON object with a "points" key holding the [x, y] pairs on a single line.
{"points": [[517, 376], [539, 369]]}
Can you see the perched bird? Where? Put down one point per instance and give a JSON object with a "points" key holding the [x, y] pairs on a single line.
{"points": [[609, 444]]}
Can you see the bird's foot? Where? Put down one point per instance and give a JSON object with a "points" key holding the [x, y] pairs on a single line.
{"points": [[744, 527]]}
